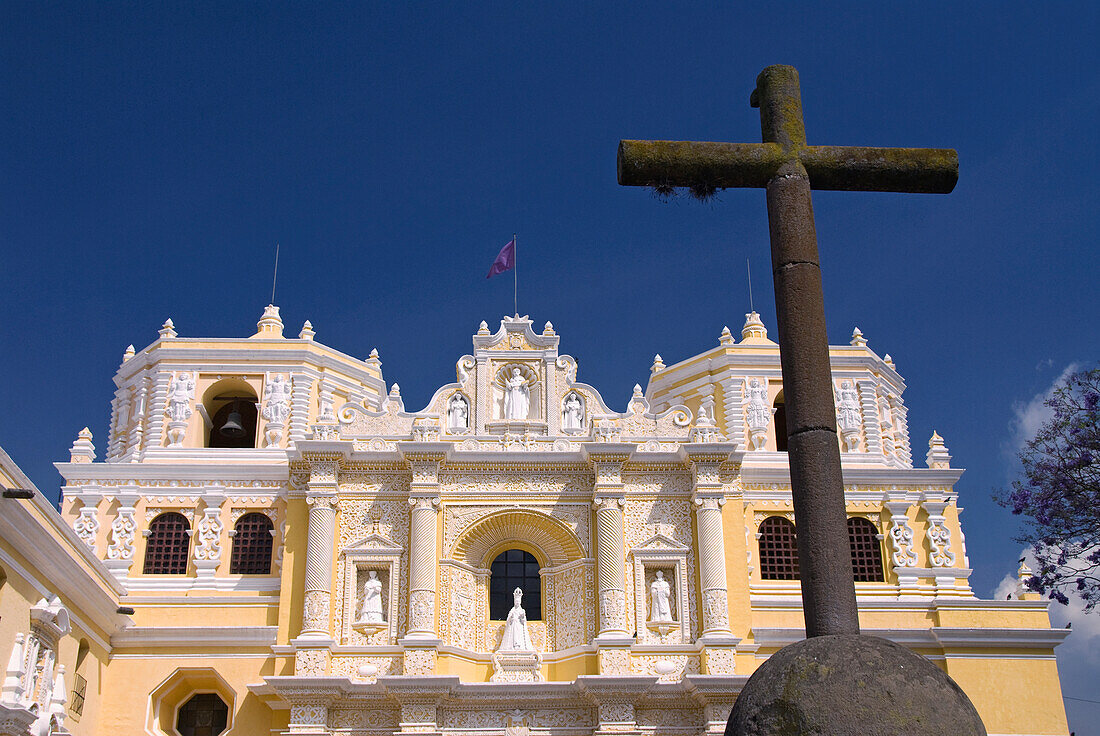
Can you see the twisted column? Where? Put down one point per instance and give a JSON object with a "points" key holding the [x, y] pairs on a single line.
{"points": [[422, 566]]}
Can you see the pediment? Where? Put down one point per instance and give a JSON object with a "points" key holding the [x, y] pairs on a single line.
{"points": [[374, 543], [660, 543]]}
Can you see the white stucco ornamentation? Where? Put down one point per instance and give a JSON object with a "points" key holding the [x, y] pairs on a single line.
{"points": [[120, 542], [208, 548], [758, 411], [276, 408], [901, 535], [181, 390], [517, 397], [938, 535], [87, 526], [848, 414]]}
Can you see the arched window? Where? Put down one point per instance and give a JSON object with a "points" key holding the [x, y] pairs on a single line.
{"points": [[203, 715], [252, 542], [778, 549], [780, 421], [510, 570], [167, 545], [230, 405], [866, 551]]}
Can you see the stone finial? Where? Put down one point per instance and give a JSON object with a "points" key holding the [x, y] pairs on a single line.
{"points": [[1023, 575], [12, 692], [373, 359], [58, 697], [483, 328], [167, 330], [889, 361], [307, 332], [82, 451], [658, 364], [938, 456], [270, 324], [129, 353], [858, 341], [395, 391], [726, 338], [548, 328], [754, 328], [637, 391]]}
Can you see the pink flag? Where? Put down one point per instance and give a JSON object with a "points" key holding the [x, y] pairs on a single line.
{"points": [[506, 259]]}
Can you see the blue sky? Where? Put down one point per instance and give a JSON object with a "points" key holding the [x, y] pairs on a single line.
{"points": [[153, 154]]}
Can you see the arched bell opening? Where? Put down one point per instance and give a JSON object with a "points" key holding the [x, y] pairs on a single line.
{"points": [[780, 422], [231, 409]]}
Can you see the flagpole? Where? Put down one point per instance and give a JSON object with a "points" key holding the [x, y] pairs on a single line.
{"points": [[515, 274]]}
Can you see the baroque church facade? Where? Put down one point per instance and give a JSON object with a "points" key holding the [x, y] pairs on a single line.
{"points": [[274, 544]]}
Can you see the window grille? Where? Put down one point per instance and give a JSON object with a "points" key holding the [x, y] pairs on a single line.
{"points": [[252, 543], [167, 545], [203, 715], [76, 702], [510, 570], [778, 549], [866, 551]]}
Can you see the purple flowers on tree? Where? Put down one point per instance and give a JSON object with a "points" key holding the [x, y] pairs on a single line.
{"points": [[1060, 493]]}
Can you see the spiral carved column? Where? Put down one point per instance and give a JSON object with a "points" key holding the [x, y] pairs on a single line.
{"points": [[422, 567], [321, 499], [609, 560]]}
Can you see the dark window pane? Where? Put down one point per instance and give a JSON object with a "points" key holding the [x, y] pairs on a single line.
{"points": [[513, 569], [866, 551], [778, 549], [201, 715]]}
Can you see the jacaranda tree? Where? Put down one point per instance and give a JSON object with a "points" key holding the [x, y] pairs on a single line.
{"points": [[1059, 492]]}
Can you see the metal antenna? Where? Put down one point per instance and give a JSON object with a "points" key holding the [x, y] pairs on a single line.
{"points": [[749, 274], [275, 276]]}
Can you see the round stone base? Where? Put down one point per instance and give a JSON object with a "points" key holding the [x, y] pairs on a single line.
{"points": [[848, 685]]}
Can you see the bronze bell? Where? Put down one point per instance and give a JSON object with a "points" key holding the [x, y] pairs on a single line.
{"points": [[232, 428]]}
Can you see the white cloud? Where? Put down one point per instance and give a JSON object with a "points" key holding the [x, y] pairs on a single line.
{"points": [[1029, 416]]}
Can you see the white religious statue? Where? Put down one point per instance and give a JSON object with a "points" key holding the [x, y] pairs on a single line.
{"points": [[517, 398], [371, 612], [848, 410], [458, 413], [516, 638], [572, 414], [759, 413], [277, 399], [660, 599], [180, 392]]}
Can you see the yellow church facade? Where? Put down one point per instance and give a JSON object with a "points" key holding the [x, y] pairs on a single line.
{"points": [[274, 544]]}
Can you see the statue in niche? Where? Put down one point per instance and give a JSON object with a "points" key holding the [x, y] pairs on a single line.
{"points": [[516, 638], [572, 414], [759, 411], [660, 599], [371, 612], [517, 398], [458, 413], [848, 410]]}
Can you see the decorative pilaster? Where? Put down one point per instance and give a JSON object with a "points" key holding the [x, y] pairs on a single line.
{"points": [[309, 715], [733, 410], [901, 430], [208, 546], [120, 540], [482, 407], [901, 535], [423, 543], [708, 498], [157, 404], [321, 499], [607, 462], [181, 391], [137, 411], [301, 388], [872, 434]]}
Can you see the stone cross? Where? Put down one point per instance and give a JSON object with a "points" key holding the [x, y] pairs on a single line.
{"points": [[787, 168]]}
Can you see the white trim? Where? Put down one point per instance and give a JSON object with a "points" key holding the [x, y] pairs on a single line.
{"points": [[195, 636], [233, 583]]}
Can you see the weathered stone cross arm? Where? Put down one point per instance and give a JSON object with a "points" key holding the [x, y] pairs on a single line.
{"points": [[847, 168], [712, 166]]}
